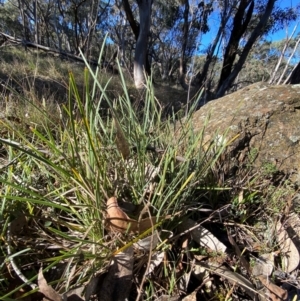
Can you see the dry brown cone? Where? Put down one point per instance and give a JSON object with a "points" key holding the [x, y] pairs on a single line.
{"points": [[118, 221]]}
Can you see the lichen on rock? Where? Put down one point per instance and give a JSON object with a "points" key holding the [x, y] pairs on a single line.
{"points": [[265, 117]]}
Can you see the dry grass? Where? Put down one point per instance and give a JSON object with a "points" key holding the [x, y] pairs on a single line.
{"points": [[62, 159]]}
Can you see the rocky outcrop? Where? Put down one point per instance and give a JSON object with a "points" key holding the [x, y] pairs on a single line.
{"points": [[265, 121]]}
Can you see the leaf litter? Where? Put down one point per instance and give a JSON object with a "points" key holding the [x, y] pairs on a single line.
{"points": [[204, 256], [116, 282]]}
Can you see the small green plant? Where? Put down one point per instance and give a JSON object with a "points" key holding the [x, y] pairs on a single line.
{"points": [[252, 155], [268, 169], [62, 163], [61, 170]]}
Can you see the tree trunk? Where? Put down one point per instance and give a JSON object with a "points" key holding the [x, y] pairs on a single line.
{"points": [[135, 26], [182, 60], [142, 43], [294, 77], [225, 15], [287, 64], [36, 28], [129, 15], [280, 59], [240, 24], [258, 30]]}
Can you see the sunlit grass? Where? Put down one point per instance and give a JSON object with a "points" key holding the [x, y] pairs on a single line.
{"points": [[70, 159], [64, 161]]}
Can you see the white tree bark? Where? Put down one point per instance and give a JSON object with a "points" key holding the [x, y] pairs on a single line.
{"points": [[286, 44], [288, 62], [142, 43]]}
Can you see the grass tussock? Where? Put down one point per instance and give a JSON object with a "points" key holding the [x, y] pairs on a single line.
{"points": [[61, 165]]}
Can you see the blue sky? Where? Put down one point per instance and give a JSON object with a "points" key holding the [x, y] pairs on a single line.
{"points": [[283, 33], [279, 35]]}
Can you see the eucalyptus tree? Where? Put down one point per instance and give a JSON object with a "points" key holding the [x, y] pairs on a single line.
{"points": [[141, 31], [160, 34], [252, 20], [240, 24], [121, 34], [261, 60], [288, 48], [194, 23], [65, 25], [224, 10], [181, 26], [172, 38], [78, 22], [9, 18], [266, 57]]}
